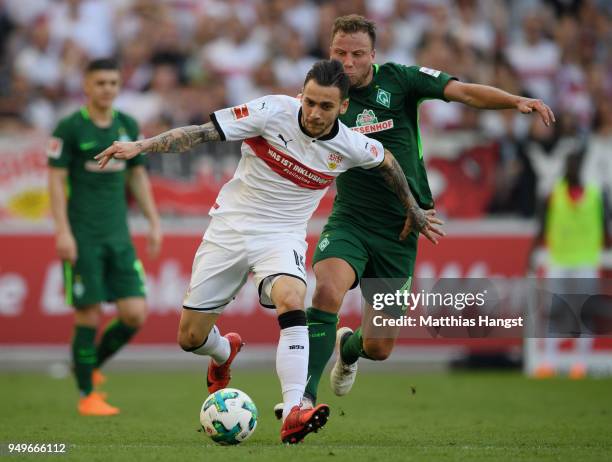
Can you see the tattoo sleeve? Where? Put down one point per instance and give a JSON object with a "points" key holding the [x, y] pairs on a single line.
{"points": [[180, 139], [395, 178]]}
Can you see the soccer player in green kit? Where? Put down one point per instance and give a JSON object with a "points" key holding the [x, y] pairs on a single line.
{"points": [[89, 208], [360, 239]]}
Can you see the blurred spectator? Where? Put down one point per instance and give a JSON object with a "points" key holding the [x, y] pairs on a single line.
{"points": [[236, 53], [597, 166], [439, 52], [536, 59], [471, 28], [292, 62], [515, 184], [136, 68], [387, 50], [39, 60], [89, 23], [408, 25], [547, 149]]}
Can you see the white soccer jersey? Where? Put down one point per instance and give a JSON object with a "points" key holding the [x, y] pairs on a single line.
{"points": [[283, 172]]}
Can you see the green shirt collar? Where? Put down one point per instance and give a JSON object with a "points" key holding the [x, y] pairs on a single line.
{"points": [[85, 113]]}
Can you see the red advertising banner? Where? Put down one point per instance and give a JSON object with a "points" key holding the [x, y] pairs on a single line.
{"points": [[32, 307]]}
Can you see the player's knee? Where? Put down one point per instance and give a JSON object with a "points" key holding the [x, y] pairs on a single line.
{"points": [[290, 300], [189, 339], [328, 296], [88, 316], [135, 317], [377, 350]]}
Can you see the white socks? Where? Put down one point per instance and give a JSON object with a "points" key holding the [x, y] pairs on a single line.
{"points": [[215, 346], [292, 365]]}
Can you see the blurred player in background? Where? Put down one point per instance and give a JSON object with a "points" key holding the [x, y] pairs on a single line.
{"points": [[89, 209], [291, 153], [360, 238], [573, 225]]}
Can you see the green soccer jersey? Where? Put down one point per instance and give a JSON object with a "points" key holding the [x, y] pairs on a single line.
{"points": [[387, 110], [97, 205]]}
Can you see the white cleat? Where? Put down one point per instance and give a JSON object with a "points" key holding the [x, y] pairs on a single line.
{"points": [[278, 408], [342, 376]]}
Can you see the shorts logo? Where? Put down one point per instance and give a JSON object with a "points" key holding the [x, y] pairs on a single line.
{"points": [[333, 160], [374, 151], [78, 289], [54, 147], [428, 71], [240, 112], [323, 244], [299, 262], [383, 97]]}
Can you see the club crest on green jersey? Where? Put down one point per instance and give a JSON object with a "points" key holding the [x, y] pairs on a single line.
{"points": [[383, 97]]}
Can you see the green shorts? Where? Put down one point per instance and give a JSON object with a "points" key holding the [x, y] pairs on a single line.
{"points": [[370, 254], [103, 272]]}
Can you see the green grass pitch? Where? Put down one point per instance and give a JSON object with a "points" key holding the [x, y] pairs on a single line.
{"points": [[388, 416]]}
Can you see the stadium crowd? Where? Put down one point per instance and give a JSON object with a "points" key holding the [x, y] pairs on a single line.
{"points": [[182, 59]]}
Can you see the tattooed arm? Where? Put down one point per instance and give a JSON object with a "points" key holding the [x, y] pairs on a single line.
{"points": [[176, 140], [423, 221]]}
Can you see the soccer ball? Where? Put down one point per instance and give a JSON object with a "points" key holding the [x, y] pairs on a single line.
{"points": [[228, 416]]}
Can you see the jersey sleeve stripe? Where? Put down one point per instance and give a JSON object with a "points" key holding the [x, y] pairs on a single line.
{"points": [[213, 119]]}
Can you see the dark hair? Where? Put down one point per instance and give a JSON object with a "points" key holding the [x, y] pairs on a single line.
{"points": [[103, 64], [355, 23], [328, 73]]}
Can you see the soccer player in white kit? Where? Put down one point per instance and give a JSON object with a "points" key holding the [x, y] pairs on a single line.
{"points": [[292, 151]]}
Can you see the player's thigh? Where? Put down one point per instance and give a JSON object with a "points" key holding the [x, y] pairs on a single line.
{"points": [[340, 256], [84, 281], [287, 293], [279, 258], [124, 275], [390, 269], [217, 275]]}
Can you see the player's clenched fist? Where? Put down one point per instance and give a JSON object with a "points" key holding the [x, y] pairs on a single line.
{"points": [[119, 150]]}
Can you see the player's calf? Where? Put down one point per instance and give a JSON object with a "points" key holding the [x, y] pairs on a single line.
{"points": [[378, 349]]}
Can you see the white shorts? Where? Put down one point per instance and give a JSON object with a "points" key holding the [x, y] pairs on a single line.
{"points": [[225, 258]]}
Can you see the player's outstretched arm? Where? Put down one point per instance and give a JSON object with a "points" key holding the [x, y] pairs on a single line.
{"points": [[424, 221], [176, 140], [487, 97]]}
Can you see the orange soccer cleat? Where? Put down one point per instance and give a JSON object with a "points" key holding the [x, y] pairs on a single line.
{"points": [[544, 371], [301, 422], [219, 376], [578, 371], [94, 404]]}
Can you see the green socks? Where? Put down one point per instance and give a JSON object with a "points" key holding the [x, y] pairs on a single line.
{"points": [[116, 335], [84, 357], [322, 338], [352, 348]]}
